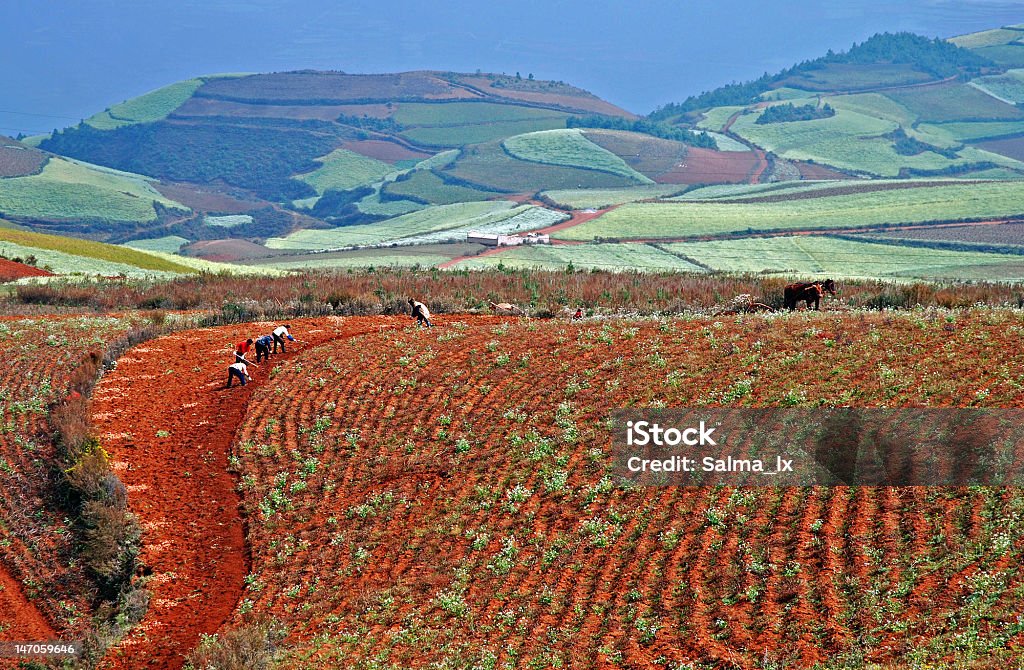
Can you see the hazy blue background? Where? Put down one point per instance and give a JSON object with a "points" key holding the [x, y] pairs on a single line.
{"points": [[62, 60]]}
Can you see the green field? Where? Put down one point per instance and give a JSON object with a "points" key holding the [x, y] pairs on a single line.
{"points": [[373, 205], [410, 256], [68, 255], [426, 185], [1008, 86], [726, 143], [827, 256], [616, 257], [147, 108], [228, 221], [430, 220], [968, 131], [569, 147], [491, 167], [343, 170], [678, 219], [169, 244], [67, 190], [986, 38], [852, 77], [852, 141], [953, 102], [1009, 55], [455, 136], [599, 198], [715, 119]]}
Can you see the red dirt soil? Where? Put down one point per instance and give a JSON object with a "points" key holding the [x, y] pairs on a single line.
{"points": [[382, 150], [9, 271], [227, 251], [706, 166], [19, 617], [179, 485]]}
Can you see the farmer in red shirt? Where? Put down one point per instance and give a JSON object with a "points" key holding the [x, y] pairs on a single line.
{"points": [[241, 349]]}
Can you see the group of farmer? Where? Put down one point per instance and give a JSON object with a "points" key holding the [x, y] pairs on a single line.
{"points": [[239, 368]]}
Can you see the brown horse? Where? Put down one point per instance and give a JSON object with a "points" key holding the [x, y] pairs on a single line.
{"points": [[808, 292]]}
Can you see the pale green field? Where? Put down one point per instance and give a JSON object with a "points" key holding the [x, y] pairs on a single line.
{"points": [[378, 260], [88, 251], [372, 204], [852, 141], [599, 198], [169, 244], [429, 220], [146, 108], [71, 190], [227, 221], [519, 220], [1008, 86], [570, 148], [466, 113], [200, 265], [726, 143], [342, 170], [451, 136], [679, 219], [70, 264], [826, 256], [616, 257], [971, 130], [715, 118], [986, 38], [438, 161]]}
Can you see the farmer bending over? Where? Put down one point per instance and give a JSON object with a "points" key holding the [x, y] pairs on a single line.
{"points": [[263, 347], [420, 313], [238, 370], [241, 349], [280, 333]]}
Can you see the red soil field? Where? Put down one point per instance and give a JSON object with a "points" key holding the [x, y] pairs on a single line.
{"points": [[227, 251], [560, 96], [706, 166], [1012, 147], [213, 107], [816, 171], [168, 422], [440, 497], [204, 200], [383, 150], [43, 592], [332, 87], [16, 159], [9, 271]]}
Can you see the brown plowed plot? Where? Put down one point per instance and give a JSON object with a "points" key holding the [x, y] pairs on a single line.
{"points": [[16, 159], [1012, 147], [440, 498], [227, 251], [651, 156], [9, 271], [548, 93], [42, 592], [383, 150], [212, 107], [331, 87], [815, 171], [204, 200], [991, 233], [167, 421], [706, 166]]}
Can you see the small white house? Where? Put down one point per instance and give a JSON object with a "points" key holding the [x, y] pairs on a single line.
{"points": [[502, 240]]}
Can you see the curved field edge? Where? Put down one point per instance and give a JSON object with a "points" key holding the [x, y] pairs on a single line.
{"points": [[173, 458], [411, 491]]}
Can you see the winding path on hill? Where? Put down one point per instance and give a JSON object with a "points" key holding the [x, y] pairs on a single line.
{"points": [[168, 422]]}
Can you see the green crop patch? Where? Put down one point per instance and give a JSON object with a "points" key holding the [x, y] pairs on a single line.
{"points": [[468, 113], [427, 185], [456, 136], [168, 244], [429, 220], [571, 148], [67, 190], [954, 102], [1008, 86], [599, 198], [152, 106], [821, 256], [954, 202], [614, 257], [72, 255], [491, 167], [342, 170]]}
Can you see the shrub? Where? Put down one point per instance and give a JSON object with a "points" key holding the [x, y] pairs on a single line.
{"points": [[249, 647]]}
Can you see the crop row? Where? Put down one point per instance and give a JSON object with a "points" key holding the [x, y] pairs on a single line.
{"points": [[443, 497]]}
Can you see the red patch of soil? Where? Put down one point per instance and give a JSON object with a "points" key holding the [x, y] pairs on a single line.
{"points": [[19, 618], [204, 200], [383, 150], [9, 271], [227, 251], [168, 421], [815, 171], [706, 166]]}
